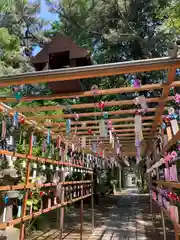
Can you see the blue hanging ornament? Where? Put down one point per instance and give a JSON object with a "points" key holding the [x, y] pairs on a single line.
{"points": [[163, 125], [6, 199], [49, 136], [105, 115], [68, 127], [15, 119]]}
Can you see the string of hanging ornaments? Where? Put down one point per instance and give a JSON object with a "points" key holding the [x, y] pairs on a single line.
{"points": [[141, 108]]}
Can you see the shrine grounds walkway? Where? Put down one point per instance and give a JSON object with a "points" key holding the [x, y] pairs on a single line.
{"points": [[125, 216]]}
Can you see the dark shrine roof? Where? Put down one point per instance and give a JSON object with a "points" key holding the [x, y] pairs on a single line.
{"points": [[60, 43]]}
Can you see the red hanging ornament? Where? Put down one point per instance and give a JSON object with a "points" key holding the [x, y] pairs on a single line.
{"points": [[167, 119], [90, 131], [41, 194], [30, 194], [1, 109], [101, 105], [138, 112], [22, 120], [101, 154]]}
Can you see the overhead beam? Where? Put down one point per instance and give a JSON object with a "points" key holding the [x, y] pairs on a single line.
{"points": [[85, 105], [146, 87], [102, 70], [91, 114]]}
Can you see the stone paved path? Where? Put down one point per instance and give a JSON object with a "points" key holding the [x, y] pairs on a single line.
{"points": [[125, 216], [124, 221]]}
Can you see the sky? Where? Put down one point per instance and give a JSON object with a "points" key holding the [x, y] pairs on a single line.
{"points": [[44, 13]]}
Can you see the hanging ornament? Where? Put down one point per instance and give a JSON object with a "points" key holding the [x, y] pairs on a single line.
{"points": [[76, 100], [90, 131], [163, 125], [101, 105], [34, 171], [68, 127], [76, 116], [49, 136], [136, 83], [15, 119], [109, 124], [94, 89], [21, 120], [3, 131], [17, 93], [6, 200], [138, 127], [177, 98], [83, 142], [103, 128], [105, 115], [141, 100]]}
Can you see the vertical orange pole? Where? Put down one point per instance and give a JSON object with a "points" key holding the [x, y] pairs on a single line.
{"points": [[22, 235]]}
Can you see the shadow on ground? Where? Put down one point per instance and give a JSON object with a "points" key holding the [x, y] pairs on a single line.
{"points": [[124, 216]]}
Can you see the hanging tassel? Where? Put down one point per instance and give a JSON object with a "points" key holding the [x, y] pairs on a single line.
{"points": [[49, 136], [142, 101], [3, 132], [83, 142], [19, 208], [44, 146], [110, 136], [94, 148], [103, 130], [68, 127], [34, 172], [15, 119], [138, 126]]}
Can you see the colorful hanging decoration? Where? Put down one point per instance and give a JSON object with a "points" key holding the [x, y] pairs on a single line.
{"points": [[141, 100], [21, 120], [15, 119], [83, 142], [101, 105], [17, 93], [3, 131], [136, 83], [94, 89], [76, 116], [102, 128], [68, 127], [90, 131], [6, 200], [177, 98], [105, 115], [138, 126]]}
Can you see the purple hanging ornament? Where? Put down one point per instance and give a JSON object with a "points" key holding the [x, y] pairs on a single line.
{"points": [[137, 83]]}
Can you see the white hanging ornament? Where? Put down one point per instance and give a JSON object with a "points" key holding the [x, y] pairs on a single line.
{"points": [[142, 101], [138, 126]]}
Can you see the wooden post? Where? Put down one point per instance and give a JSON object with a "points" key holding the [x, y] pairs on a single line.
{"points": [[120, 187], [22, 229], [162, 214], [61, 223], [61, 210], [82, 203], [92, 200]]}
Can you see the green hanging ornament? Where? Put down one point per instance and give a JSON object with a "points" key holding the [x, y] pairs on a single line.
{"points": [[105, 115]]}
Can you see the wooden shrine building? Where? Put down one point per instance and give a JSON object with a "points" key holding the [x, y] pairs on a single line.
{"points": [[62, 52]]}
